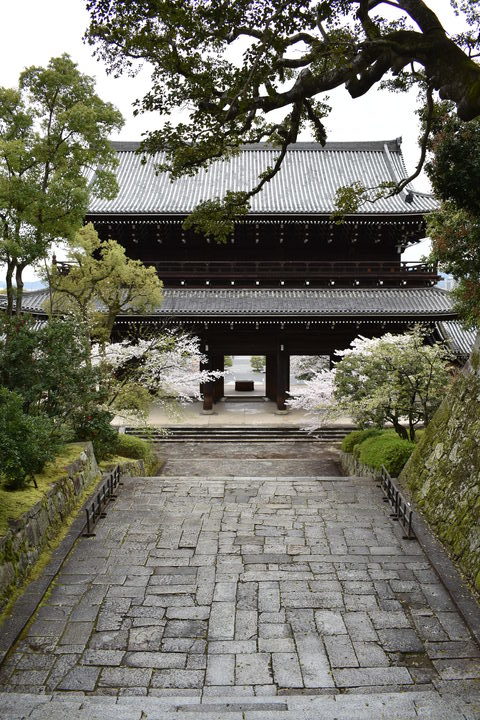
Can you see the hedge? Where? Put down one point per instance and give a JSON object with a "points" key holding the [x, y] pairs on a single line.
{"points": [[387, 449], [356, 437], [133, 447]]}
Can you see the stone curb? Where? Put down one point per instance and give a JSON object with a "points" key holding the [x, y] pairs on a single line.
{"points": [[449, 575], [451, 578], [32, 596]]}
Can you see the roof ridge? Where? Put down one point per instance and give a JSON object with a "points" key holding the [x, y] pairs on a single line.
{"points": [[351, 145]]}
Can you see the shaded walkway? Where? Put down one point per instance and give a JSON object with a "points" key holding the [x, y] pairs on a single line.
{"points": [[213, 586]]}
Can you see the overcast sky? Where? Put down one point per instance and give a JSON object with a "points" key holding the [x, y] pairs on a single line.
{"points": [[33, 31]]}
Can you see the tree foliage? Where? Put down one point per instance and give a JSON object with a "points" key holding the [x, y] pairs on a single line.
{"points": [[165, 368], [48, 366], [454, 171], [53, 130], [101, 283], [258, 70], [27, 442], [395, 379], [304, 367], [258, 363], [62, 393]]}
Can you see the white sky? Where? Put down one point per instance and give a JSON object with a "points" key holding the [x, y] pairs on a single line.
{"points": [[33, 31]]}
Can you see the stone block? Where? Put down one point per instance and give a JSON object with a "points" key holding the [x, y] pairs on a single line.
{"points": [[220, 670], [313, 661], [371, 677], [340, 651], [178, 678], [286, 670], [253, 669], [157, 660], [221, 625]]}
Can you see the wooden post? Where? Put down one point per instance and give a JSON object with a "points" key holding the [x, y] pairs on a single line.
{"points": [[218, 363], [206, 389], [283, 383], [271, 377]]}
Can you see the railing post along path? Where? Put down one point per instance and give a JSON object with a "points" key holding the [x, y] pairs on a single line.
{"points": [[402, 510], [105, 494]]}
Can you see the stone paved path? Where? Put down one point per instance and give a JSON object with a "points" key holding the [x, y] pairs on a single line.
{"points": [[247, 587]]}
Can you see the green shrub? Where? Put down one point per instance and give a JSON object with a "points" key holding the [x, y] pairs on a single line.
{"points": [[133, 447], [258, 362], [27, 442], [386, 449], [356, 437], [95, 425]]}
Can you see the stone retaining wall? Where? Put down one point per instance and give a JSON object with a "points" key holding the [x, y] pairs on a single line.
{"points": [[28, 535], [443, 474], [351, 466]]}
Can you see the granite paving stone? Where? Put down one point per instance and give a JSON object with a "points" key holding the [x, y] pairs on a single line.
{"points": [[252, 587], [253, 669], [178, 678], [220, 670], [340, 651], [286, 670], [80, 678], [370, 654]]}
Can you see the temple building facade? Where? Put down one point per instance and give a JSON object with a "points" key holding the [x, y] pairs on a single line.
{"points": [[290, 280]]}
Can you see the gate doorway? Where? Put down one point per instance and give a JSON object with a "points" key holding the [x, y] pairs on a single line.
{"points": [[244, 377]]}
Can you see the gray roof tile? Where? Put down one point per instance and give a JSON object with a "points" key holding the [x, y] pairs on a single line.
{"points": [[460, 339], [321, 302], [306, 184], [339, 302]]}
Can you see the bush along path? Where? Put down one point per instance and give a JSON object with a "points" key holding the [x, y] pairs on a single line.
{"points": [[247, 596]]}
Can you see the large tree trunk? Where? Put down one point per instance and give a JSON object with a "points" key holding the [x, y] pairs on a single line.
{"points": [[8, 281], [19, 292]]}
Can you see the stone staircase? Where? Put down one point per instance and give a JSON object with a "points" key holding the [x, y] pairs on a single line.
{"points": [[420, 705], [227, 433]]}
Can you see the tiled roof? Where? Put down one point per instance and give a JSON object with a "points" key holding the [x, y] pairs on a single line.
{"points": [[33, 301], [321, 302], [459, 338], [314, 302], [306, 184]]}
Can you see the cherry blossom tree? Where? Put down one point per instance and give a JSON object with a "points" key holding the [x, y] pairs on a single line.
{"points": [[164, 368], [316, 397], [304, 367], [396, 379]]}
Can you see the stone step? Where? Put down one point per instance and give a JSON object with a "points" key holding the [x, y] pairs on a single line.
{"points": [[427, 705], [239, 434]]}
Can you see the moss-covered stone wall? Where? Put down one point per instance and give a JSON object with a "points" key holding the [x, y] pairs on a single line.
{"points": [[28, 535], [443, 474]]}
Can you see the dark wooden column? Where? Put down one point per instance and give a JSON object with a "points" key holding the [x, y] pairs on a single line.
{"points": [[283, 378], [218, 363], [207, 388], [271, 377]]}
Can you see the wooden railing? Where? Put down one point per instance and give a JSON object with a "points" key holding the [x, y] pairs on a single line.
{"points": [[286, 269]]}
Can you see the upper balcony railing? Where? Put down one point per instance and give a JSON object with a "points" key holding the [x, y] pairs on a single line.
{"points": [[221, 272], [287, 268]]}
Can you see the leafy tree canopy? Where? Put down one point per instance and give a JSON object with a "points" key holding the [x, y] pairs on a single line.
{"points": [[49, 366], [454, 171], [102, 282], [165, 368], [53, 132], [232, 64], [397, 379], [27, 442]]}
